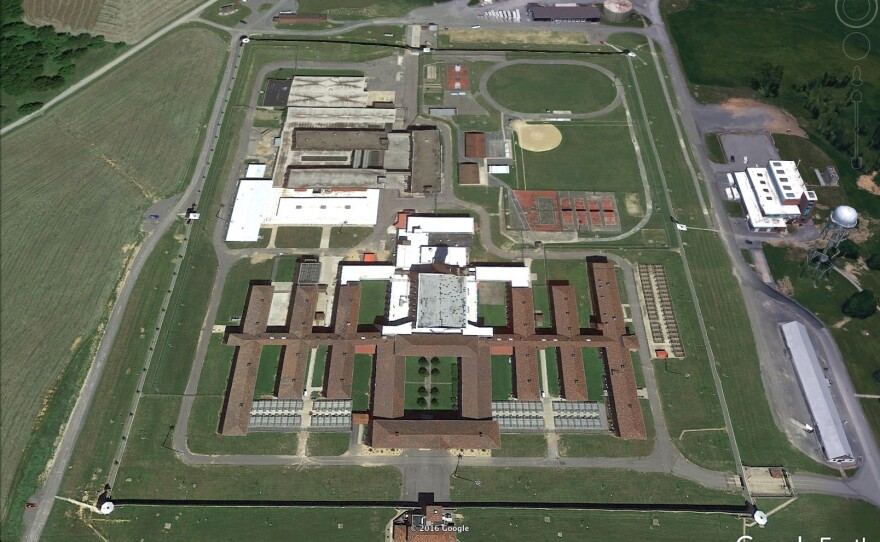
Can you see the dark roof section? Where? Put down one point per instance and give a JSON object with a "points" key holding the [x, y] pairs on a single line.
{"points": [[476, 379], [340, 140], [468, 173], [276, 93], [435, 434], [426, 166], [522, 311], [525, 368], [626, 411], [565, 310], [475, 145], [292, 380], [388, 383], [578, 12], [573, 377]]}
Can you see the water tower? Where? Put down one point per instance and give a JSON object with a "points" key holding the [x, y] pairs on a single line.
{"points": [[818, 262]]}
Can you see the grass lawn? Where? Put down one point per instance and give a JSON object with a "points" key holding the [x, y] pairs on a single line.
{"points": [[492, 315], [360, 381], [502, 378], [361, 9], [552, 359], [535, 88], [285, 269], [262, 240], [583, 161], [104, 148], [219, 523], [203, 438], [441, 388], [213, 14], [713, 148], [323, 444], [348, 236], [594, 369], [805, 152], [267, 373], [374, 294], [810, 517], [298, 237], [871, 407], [150, 470], [593, 485], [235, 289], [522, 445], [320, 364]]}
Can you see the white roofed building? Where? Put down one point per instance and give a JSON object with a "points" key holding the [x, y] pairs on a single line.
{"points": [[251, 202], [774, 196]]}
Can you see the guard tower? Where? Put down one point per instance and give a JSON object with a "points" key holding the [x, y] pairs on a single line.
{"points": [[817, 264]]}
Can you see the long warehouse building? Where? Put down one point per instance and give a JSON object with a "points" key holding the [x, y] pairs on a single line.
{"points": [[817, 392]]}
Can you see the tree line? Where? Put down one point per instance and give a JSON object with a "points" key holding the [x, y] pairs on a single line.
{"points": [[35, 59]]}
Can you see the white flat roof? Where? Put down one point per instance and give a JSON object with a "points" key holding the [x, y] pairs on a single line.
{"points": [[440, 224], [817, 392], [251, 202], [255, 171], [398, 305], [321, 91], [315, 207], [357, 273], [442, 301], [517, 276], [753, 210], [448, 255]]}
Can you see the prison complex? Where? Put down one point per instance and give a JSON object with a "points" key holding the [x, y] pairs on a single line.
{"points": [[432, 313]]}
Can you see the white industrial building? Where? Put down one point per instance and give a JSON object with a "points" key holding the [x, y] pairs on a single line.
{"points": [[431, 265], [817, 392], [773, 196]]}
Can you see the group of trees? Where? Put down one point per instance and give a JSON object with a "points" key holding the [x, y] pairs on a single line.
{"points": [[424, 396], [767, 79], [35, 59], [829, 98], [861, 304]]}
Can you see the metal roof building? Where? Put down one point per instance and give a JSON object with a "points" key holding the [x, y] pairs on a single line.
{"points": [[817, 392], [248, 210]]}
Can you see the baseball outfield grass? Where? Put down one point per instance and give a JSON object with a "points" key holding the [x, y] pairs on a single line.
{"points": [[539, 88]]}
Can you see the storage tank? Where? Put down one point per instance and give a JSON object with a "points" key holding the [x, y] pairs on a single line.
{"points": [[617, 11]]}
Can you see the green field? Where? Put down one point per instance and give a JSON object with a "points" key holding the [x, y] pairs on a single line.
{"points": [[324, 444], [583, 161], [805, 153], [502, 378], [285, 269], [348, 236], [441, 389], [341, 524], [810, 517], [593, 485], [536, 88], [552, 387], [89, 165], [298, 237], [360, 382], [524, 445], [574, 272], [594, 369], [574, 445], [713, 148], [374, 295], [361, 9], [267, 374], [320, 364]]}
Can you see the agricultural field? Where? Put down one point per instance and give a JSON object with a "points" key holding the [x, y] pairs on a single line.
{"points": [[89, 166], [117, 20], [810, 517], [536, 88]]}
